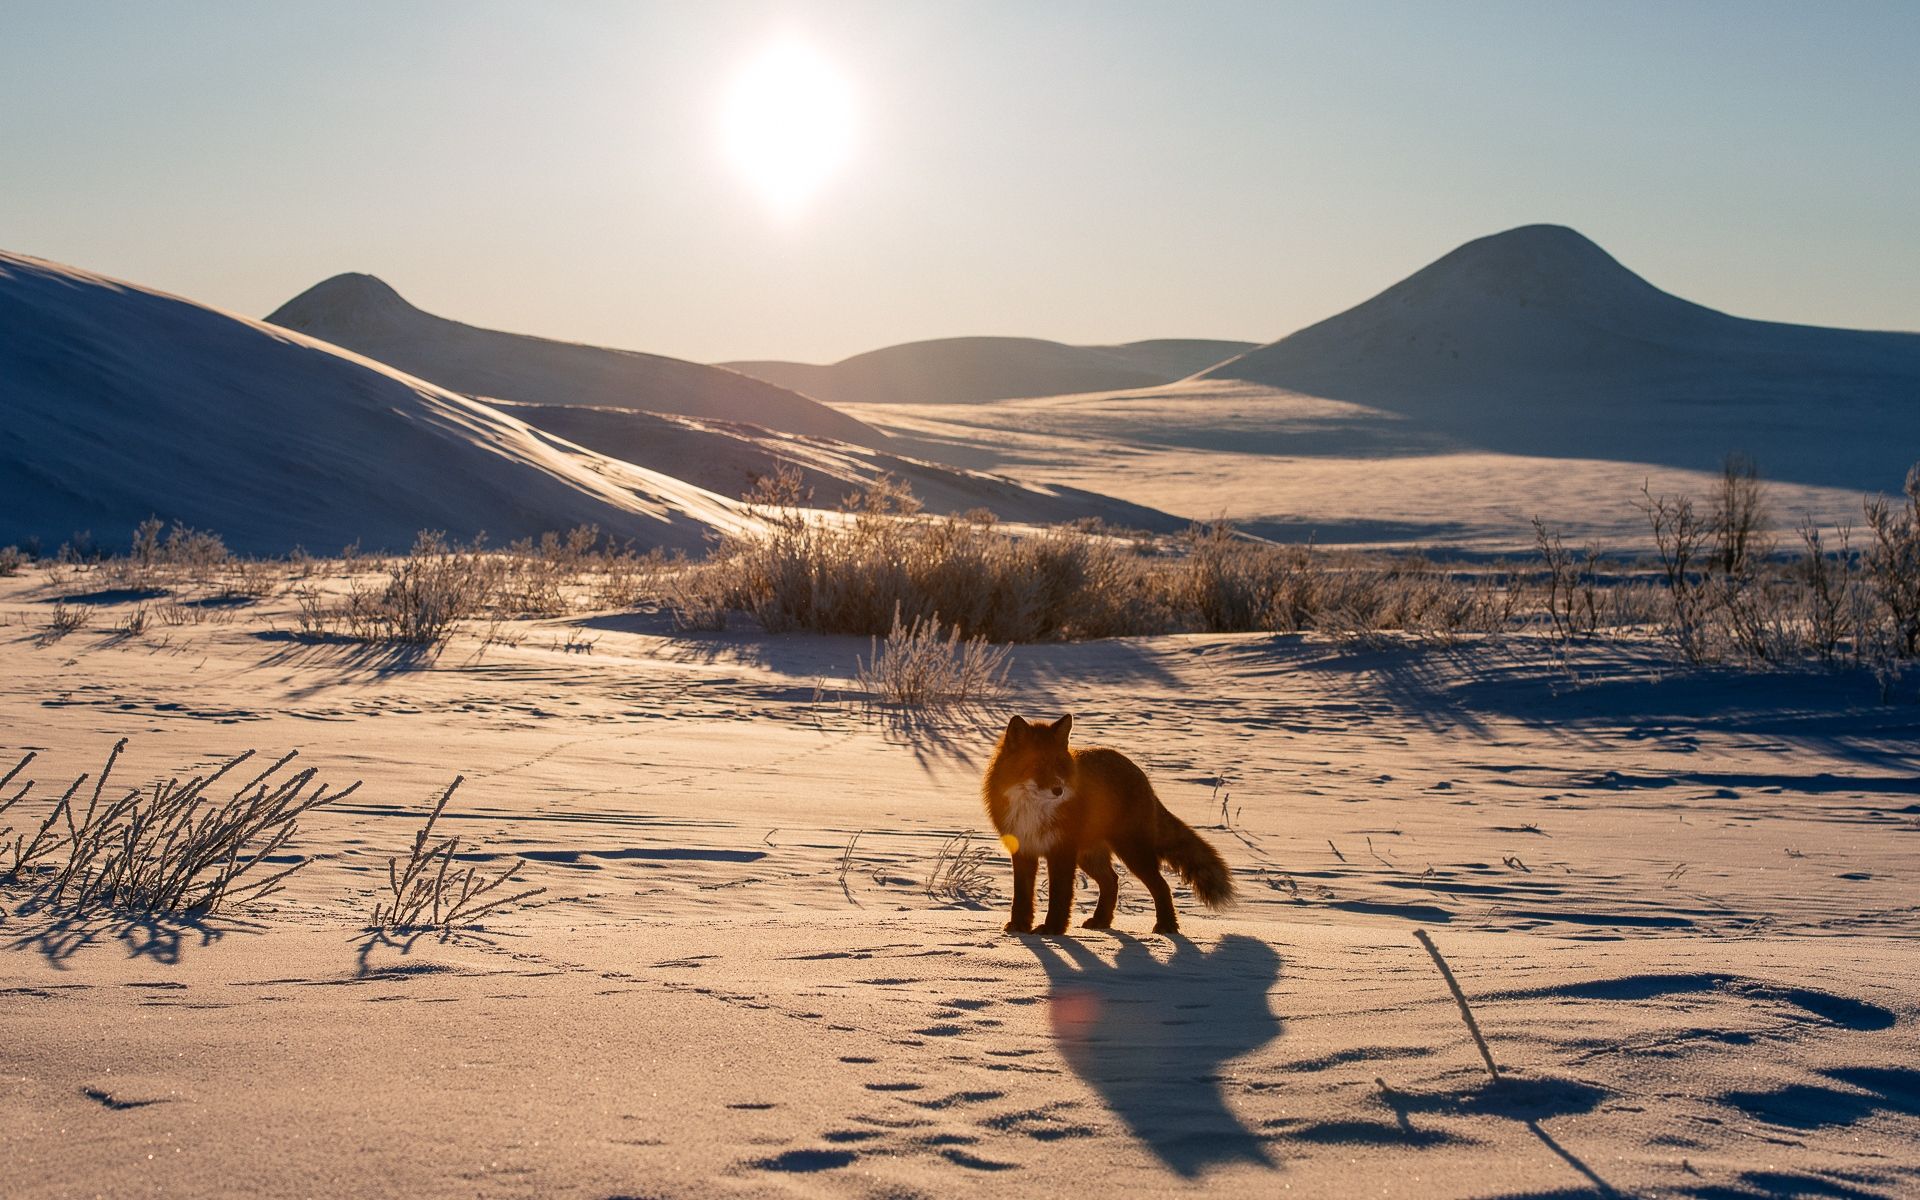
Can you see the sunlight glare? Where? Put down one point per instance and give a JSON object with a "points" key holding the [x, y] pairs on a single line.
{"points": [[789, 124]]}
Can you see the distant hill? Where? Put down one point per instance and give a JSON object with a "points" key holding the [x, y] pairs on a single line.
{"points": [[363, 314], [972, 369], [118, 402], [1537, 341]]}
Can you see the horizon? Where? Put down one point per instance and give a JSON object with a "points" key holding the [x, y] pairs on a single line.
{"points": [[985, 175]]}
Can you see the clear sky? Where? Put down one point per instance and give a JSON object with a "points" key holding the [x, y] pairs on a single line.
{"points": [[1090, 172]]}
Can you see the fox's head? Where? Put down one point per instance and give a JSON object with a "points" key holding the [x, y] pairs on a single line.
{"points": [[1033, 755]]}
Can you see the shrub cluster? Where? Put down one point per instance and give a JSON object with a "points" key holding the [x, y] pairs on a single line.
{"points": [[169, 848], [853, 570], [1718, 587], [1726, 591], [428, 593], [916, 666]]}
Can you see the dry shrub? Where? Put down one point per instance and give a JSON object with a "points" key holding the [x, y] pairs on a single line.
{"points": [[962, 871], [1681, 538], [184, 555], [11, 561], [1831, 591], [160, 559], [1893, 562], [64, 619], [439, 585], [918, 668], [697, 596], [533, 577], [621, 579], [1726, 593], [425, 597], [429, 892], [558, 572], [1230, 584], [1718, 590], [167, 848], [427, 593], [852, 571], [250, 579], [174, 613], [1571, 586]]}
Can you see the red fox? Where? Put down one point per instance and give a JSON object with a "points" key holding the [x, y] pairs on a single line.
{"points": [[1081, 807]]}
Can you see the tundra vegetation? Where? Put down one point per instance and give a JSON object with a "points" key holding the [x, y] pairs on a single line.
{"points": [[168, 848], [1720, 580]]}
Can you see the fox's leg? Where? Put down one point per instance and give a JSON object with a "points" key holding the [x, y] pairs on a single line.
{"points": [[1145, 864], [1062, 868], [1025, 868], [1098, 863]]}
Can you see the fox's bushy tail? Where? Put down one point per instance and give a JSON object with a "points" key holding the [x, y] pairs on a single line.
{"points": [[1180, 848]]}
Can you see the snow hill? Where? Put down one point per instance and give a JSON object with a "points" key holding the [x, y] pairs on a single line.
{"points": [[366, 316], [728, 458], [118, 402], [1536, 341], [971, 369]]}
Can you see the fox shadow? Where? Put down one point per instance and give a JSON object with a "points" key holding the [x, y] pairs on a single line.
{"points": [[1150, 1036]]}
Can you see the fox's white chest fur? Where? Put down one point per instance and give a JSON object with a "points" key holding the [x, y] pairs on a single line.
{"points": [[1030, 816]]}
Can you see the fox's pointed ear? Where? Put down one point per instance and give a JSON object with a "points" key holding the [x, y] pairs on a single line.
{"points": [[1016, 726], [1063, 727]]}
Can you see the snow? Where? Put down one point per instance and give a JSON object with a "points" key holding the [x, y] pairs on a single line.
{"points": [[1680, 905], [365, 315], [1536, 341], [120, 402], [971, 369]]}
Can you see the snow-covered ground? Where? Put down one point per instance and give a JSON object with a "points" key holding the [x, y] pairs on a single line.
{"points": [[1681, 905], [1295, 467]]}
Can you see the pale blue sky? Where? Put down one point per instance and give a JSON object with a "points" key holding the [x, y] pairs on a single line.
{"points": [[1083, 171]]}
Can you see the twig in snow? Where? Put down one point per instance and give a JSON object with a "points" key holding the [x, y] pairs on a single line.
{"points": [[1459, 998]]}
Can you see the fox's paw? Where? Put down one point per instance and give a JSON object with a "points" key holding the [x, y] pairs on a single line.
{"points": [[1018, 927], [1167, 927], [1052, 928], [1097, 923]]}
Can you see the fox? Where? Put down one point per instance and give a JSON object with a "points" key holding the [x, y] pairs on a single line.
{"points": [[1078, 808]]}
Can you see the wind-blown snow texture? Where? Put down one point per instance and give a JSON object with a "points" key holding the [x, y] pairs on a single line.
{"points": [[729, 458]]}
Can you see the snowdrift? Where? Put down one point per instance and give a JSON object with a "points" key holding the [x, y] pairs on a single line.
{"points": [[118, 402]]}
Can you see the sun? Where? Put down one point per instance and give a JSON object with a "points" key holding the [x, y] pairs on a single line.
{"points": [[788, 125]]}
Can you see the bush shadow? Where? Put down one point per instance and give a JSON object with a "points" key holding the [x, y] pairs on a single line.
{"points": [[58, 935]]}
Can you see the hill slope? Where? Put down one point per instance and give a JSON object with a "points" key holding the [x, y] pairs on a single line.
{"points": [[728, 458], [971, 369], [1537, 341], [120, 402], [363, 314]]}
